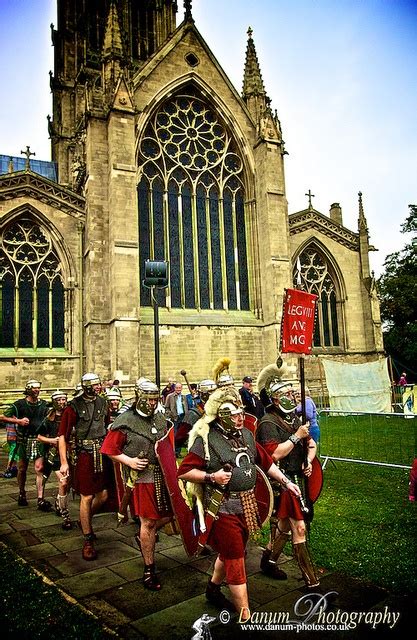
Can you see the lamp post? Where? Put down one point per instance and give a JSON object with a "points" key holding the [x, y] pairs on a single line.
{"points": [[156, 277]]}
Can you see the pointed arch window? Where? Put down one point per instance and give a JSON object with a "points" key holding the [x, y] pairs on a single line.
{"points": [[316, 277], [191, 206], [31, 288]]}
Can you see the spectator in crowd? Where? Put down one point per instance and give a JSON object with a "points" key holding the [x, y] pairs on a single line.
{"points": [[169, 388], [191, 397], [250, 401], [402, 382], [311, 413], [176, 407]]}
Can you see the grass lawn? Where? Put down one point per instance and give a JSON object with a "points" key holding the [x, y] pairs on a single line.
{"points": [[365, 526]]}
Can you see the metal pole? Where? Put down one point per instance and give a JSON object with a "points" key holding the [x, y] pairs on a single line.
{"points": [[156, 338]]}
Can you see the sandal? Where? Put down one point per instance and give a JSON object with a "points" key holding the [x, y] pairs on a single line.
{"points": [[150, 579]]}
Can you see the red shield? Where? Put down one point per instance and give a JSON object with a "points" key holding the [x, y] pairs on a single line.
{"points": [[250, 423], [315, 481], [185, 518], [264, 496]]}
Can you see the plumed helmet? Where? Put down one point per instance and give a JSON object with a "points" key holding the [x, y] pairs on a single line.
{"points": [[221, 396], [282, 391], [56, 396], [87, 382], [221, 373], [113, 394], [269, 375], [205, 388], [30, 385], [145, 391]]}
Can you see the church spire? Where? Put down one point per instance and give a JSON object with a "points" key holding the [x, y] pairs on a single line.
{"points": [[363, 240], [362, 224], [188, 15], [112, 48], [267, 124], [253, 84], [112, 45]]}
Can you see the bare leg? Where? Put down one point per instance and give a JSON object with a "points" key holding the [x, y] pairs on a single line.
{"points": [[240, 600], [39, 478], [21, 475], [98, 501], [218, 571], [86, 514]]}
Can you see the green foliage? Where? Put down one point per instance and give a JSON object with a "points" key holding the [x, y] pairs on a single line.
{"points": [[33, 609], [398, 294]]}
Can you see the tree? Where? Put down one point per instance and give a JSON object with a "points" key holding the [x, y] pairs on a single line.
{"points": [[398, 295]]}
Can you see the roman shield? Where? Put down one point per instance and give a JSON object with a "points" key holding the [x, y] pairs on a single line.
{"points": [[184, 515]]}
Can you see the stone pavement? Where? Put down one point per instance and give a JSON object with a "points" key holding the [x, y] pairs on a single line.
{"points": [[111, 586]]}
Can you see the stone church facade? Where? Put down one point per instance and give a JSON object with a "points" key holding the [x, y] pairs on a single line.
{"points": [[158, 157]]}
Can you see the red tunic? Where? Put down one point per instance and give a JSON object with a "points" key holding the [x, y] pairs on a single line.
{"points": [[229, 533], [143, 498], [85, 480], [289, 505]]}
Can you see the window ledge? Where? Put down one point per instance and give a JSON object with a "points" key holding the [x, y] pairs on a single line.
{"points": [[205, 317]]}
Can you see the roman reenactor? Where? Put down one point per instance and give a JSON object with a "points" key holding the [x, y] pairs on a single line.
{"points": [[130, 441], [49, 439], [28, 414], [81, 434], [114, 400], [220, 471], [286, 440]]}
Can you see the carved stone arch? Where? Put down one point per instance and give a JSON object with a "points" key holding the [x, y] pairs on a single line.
{"points": [[315, 243], [58, 241], [320, 274], [225, 114]]}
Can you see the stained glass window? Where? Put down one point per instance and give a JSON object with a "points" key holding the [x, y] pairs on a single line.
{"points": [[197, 222], [317, 277], [31, 289]]}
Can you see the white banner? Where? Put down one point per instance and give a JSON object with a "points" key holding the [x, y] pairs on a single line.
{"points": [[358, 387]]}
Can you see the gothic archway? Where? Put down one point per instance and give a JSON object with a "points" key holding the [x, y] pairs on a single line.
{"points": [[191, 196], [314, 273]]}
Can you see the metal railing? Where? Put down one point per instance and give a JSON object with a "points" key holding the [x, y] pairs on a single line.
{"points": [[382, 439]]}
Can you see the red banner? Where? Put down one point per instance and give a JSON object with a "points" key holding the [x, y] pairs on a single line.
{"points": [[298, 315]]}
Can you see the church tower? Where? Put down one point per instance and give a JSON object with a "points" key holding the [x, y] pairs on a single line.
{"points": [[93, 40]]}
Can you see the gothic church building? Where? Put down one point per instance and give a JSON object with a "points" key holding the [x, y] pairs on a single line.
{"points": [[156, 156]]}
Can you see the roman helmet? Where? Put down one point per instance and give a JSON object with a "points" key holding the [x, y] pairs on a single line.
{"points": [[206, 388], [59, 399], [145, 391], [276, 388], [227, 413], [113, 394], [281, 393], [88, 381], [77, 391], [30, 386], [221, 373]]}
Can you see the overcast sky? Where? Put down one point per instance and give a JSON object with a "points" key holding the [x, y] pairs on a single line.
{"points": [[340, 73]]}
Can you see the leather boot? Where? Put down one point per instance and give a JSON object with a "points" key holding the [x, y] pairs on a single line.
{"points": [[302, 555], [269, 567], [217, 598]]}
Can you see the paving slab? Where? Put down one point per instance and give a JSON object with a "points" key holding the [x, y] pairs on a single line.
{"points": [[111, 587]]}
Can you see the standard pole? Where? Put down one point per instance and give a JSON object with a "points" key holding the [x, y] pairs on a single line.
{"points": [[156, 339]]}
